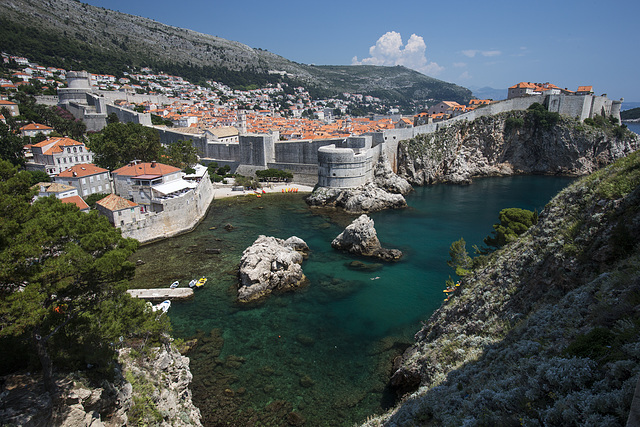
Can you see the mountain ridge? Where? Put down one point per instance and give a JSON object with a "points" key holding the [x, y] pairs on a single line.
{"points": [[125, 38]]}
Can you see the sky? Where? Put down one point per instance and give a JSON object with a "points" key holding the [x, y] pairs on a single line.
{"points": [[471, 43]]}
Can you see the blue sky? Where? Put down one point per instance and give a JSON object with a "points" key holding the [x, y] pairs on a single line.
{"points": [[470, 43]]}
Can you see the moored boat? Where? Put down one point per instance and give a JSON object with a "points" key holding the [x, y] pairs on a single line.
{"points": [[192, 284], [163, 306], [201, 282], [175, 285]]}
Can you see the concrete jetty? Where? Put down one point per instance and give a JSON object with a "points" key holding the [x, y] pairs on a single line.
{"points": [[162, 294]]}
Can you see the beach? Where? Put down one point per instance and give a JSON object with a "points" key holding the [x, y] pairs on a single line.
{"points": [[221, 191]]}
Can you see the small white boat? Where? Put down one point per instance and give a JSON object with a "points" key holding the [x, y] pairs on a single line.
{"points": [[163, 306], [192, 284], [175, 285]]}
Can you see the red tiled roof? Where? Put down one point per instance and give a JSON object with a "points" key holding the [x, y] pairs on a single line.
{"points": [[76, 200], [81, 170], [116, 203], [35, 126], [145, 169]]}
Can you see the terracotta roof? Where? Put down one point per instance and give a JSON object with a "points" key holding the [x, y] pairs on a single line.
{"points": [[116, 203], [35, 126], [3, 102], [77, 200], [153, 168], [81, 170], [54, 145], [52, 187], [585, 89]]}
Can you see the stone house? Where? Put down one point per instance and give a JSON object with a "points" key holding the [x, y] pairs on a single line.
{"points": [[449, 108], [118, 211], [54, 155], [11, 106], [65, 193], [148, 183], [87, 178], [32, 129]]}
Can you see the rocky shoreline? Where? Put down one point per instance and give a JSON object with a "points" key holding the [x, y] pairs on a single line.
{"points": [[150, 388], [509, 144], [529, 337]]}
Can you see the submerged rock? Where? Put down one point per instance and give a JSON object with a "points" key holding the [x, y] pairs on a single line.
{"points": [[360, 238], [271, 264]]}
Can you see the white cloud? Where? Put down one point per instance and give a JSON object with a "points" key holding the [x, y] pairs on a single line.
{"points": [[470, 53], [459, 64], [389, 50], [464, 76]]}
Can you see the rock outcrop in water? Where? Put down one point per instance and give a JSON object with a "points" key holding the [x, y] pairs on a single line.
{"points": [[546, 331], [271, 264], [385, 192], [360, 238], [511, 143]]}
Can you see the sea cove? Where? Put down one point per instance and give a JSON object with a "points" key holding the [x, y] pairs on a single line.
{"points": [[323, 353]]}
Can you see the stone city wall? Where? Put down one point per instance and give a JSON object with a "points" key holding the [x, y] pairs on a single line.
{"points": [[180, 214], [343, 168], [126, 116]]}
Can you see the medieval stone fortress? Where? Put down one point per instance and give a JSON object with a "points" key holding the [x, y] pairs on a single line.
{"points": [[153, 202]]}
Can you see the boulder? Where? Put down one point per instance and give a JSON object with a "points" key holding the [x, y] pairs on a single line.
{"points": [[366, 198], [271, 264], [360, 238]]}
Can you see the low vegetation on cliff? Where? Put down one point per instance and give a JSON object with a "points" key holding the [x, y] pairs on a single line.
{"points": [[547, 330], [531, 141]]}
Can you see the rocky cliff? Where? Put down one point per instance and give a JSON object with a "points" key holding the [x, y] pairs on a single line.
{"points": [[546, 330], [515, 142], [150, 389]]}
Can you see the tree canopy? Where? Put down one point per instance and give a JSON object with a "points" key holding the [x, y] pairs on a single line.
{"points": [[62, 282], [120, 143], [513, 222]]}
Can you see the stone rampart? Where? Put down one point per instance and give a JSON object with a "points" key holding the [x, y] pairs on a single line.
{"points": [[126, 116], [343, 168]]}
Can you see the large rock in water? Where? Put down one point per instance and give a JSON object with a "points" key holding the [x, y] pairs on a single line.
{"points": [[271, 264], [360, 238], [366, 198]]}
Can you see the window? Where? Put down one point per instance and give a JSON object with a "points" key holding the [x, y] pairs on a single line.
{"points": [[91, 179], [100, 188], [84, 180], [65, 160]]}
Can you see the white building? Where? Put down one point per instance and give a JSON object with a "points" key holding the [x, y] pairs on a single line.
{"points": [[54, 155]]}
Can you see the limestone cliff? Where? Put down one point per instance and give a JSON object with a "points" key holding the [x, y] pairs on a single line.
{"points": [[546, 331], [150, 389], [511, 143]]}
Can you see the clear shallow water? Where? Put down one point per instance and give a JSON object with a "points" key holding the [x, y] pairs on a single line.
{"points": [[324, 352]]}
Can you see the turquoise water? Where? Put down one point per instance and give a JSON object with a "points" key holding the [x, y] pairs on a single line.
{"points": [[324, 353]]}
